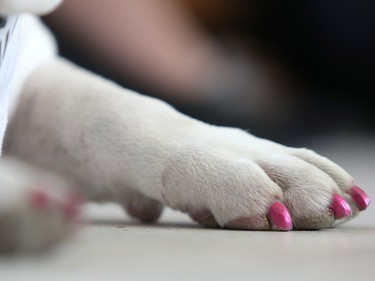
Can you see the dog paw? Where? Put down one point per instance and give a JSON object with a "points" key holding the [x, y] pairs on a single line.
{"points": [[228, 178], [37, 210]]}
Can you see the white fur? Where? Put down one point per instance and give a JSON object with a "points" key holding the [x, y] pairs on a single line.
{"points": [[28, 6], [138, 151], [112, 141]]}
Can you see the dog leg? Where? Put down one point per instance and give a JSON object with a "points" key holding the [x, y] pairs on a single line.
{"points": [[117, 145]]}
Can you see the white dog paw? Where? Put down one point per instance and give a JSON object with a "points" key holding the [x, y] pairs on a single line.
{"points": [[37, 210], [234, 180]]}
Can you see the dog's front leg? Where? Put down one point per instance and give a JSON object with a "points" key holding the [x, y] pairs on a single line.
{"points": [[138, 151], [111, 142]]}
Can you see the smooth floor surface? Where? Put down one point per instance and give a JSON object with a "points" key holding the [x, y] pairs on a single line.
{"points": [[112, 247]]}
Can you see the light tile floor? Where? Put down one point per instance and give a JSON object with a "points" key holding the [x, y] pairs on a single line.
{"points": [[113, 248]]}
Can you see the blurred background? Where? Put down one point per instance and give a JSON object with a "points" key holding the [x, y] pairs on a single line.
{"points": [[281, 69]]}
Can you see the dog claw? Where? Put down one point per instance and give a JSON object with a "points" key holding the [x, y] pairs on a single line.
{"points": [[279, 216], [340, 207], [71, 207], [361, 199]]}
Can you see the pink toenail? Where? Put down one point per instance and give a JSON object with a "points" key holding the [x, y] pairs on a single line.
{"points": [[71, 210], [360, 197], [280, 217], [340, 207], [40, 198], [71, 206]]}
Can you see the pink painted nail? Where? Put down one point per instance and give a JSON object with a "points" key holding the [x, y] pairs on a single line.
{"points": [[71, 206], [361, 199], [40, 198], [280, 217], [340, 207], [71, 210]]}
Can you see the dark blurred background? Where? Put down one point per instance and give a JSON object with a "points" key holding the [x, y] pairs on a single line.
{"points": [[281, 69]]}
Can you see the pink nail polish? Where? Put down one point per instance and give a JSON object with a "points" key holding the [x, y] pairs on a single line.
{"points": [[280, 217], [71, 209], [340, 207], [360, 197], [40, 198]]}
